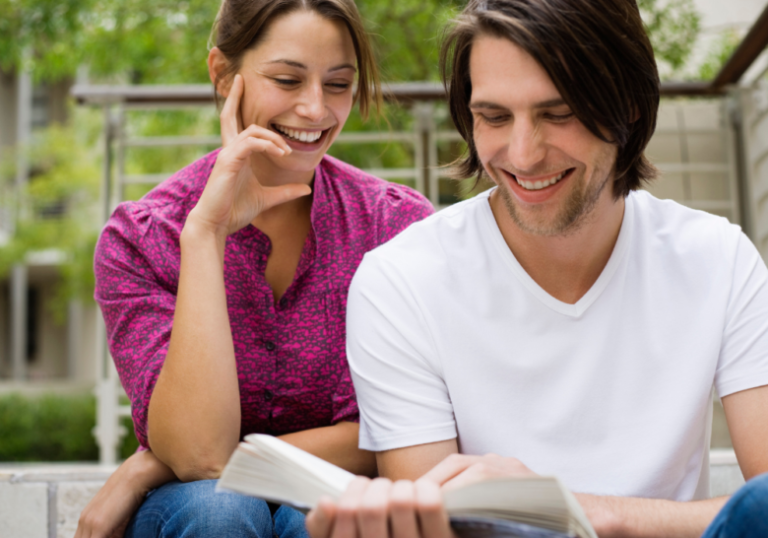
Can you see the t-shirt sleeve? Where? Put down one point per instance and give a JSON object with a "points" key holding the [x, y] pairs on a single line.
{"points": [[402, 206], [401, 393], [743, 362], [136, 304]]}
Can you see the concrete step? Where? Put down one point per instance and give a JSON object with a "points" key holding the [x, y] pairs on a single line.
{"points": [[45, 500]]}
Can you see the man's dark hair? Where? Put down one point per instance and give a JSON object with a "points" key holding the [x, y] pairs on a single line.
{"points": [[597, 54]]}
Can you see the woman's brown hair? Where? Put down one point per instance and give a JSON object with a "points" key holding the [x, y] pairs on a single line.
{"points": [[598, 56], [241, 24]]}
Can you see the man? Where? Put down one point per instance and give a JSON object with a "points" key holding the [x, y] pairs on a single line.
{"points": [[564, 320]]}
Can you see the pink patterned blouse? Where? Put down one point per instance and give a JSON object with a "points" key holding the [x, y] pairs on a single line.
{"points": [[291, 359]]}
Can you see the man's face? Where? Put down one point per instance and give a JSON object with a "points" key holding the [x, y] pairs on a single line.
{"points": [[551, 171]]}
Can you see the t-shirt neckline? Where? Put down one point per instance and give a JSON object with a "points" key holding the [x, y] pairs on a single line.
{"points": [[582, 305]]}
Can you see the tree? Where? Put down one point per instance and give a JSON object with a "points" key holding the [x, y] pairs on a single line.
{"points": [[673, 27]]}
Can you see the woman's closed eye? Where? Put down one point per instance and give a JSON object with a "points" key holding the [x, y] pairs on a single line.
{"points": [[287, 82]]}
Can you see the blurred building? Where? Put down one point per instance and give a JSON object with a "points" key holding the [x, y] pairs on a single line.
{"points": [[34, 346]]}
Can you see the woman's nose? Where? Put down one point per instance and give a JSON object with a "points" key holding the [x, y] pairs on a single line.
{"points": [[312, 104]]}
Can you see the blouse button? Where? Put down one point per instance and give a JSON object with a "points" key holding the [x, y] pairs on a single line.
{"points": [[269, 345], [268, 395]]}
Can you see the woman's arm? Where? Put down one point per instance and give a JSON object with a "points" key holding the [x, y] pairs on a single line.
{"points": [[109, 512], [336, 444], [194, 410]]}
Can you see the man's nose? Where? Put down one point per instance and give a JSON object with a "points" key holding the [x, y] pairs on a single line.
{"points": [[525, 148], [312, 105]]}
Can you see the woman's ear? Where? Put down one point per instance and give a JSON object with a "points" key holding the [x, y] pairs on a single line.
{"points": [[217, 64]]}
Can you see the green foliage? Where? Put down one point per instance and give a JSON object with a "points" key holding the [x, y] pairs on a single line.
{"points": [[719, 53], [51, 428], [406, 34], [58, 207], [673, 27]]}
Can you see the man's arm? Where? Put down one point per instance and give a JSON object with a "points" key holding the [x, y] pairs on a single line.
{"points": [[747, 415], [412, 462]]}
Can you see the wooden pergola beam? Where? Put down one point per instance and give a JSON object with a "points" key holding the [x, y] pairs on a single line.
{"points": [[745, 54]]}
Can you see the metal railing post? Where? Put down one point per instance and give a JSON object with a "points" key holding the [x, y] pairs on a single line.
{"points": [[108, 429]]}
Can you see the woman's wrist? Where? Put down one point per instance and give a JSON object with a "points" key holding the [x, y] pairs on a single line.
{"points": [[199, 234], [145, 472]]}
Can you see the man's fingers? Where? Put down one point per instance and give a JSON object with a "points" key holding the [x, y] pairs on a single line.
{"points": [[320, 520], [403, 510], [449, 468], [230, 112], [345, 525], [433, 519], [372, 518]]}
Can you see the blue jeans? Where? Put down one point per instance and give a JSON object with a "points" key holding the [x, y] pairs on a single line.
{"points": [[195, 510], [746, 513]]}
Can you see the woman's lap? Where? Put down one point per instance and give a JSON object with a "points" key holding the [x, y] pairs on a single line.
{"points": [[746, 513], [195, 509]]}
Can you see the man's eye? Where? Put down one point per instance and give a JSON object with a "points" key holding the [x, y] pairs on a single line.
{"points": [[500, 118], [560, 117]]}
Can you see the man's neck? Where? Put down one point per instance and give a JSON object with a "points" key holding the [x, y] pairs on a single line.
{"points": [[565, 266]]}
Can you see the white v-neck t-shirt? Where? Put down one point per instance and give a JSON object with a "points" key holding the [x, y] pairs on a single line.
{"points": [[448, 336]]}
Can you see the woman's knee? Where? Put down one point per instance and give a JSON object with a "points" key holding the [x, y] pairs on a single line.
{"points": [[195, 509]]}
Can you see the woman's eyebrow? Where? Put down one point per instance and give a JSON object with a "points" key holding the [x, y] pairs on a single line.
{"points": [[300, 65]]}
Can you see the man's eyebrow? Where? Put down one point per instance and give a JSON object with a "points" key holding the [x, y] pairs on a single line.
{"points": [[300, 65], [558, 101], [550, 103], [486, 104]]}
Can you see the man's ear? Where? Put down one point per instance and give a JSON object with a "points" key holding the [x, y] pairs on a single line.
{"points": [[217, 64], [634, 114]]}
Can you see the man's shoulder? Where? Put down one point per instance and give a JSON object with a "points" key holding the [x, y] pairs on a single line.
{"points": [[430, 254], [439, 234], [681, 229]]}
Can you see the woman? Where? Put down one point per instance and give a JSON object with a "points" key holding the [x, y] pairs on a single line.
{"points": [[224, 289]]}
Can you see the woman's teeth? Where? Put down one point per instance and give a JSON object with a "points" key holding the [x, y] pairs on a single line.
{"points": [[536, 185], [301, 136]]}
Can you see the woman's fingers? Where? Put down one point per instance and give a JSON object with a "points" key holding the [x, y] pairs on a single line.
{"points": [[260, 133], [230, 112], [273, 196], [231, 128]]}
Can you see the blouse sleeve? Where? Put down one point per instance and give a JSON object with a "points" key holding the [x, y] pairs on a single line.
{"points": [[403, 206], [136, 264]]}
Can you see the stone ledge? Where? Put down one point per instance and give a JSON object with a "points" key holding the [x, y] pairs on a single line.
{"points": [[45, 500]]}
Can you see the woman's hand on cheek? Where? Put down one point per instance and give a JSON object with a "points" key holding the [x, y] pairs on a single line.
{"points": [[233, 196], [380, 509]]}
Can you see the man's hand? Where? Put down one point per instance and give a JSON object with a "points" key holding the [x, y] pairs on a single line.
{"points": [[380, 508], [458, 470]]}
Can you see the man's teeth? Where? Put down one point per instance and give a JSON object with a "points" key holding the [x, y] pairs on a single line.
{"points": [[536, 185], [301, 136]]}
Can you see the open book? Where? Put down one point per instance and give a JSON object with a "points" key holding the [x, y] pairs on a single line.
{"points": [[536, 507]]}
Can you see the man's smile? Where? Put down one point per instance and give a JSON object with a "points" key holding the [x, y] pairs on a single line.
{"points": [[541, 182]]}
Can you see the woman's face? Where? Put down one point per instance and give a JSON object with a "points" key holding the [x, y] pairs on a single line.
{"points": [[298, 83]]}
